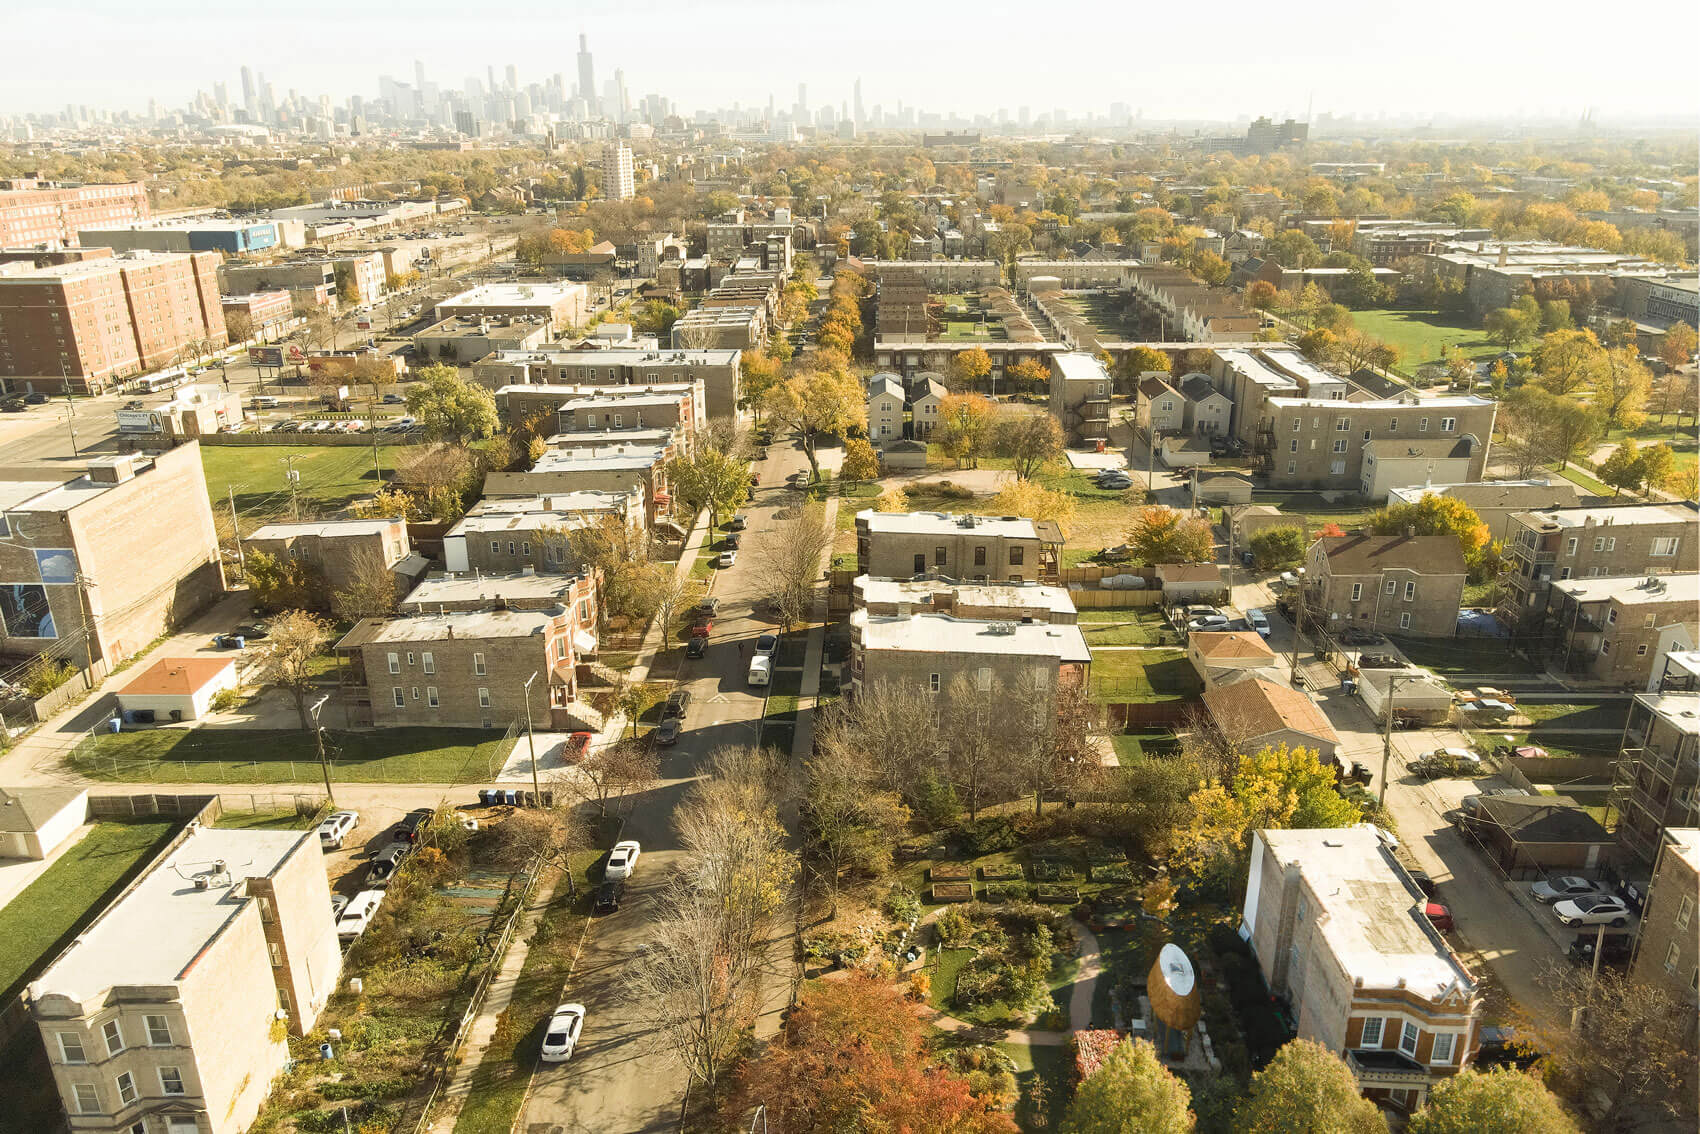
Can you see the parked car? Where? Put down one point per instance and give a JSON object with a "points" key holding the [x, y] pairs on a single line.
{"points": [[407, 831], [1439, 915], [696, 647], [729, 542], [727, 559], [667, 732], [1615, 948], [1564, 887], [1259, 621], [13, 405], [608, 896], [393, 399], [677, 702], [35, 398], [1457, 755], [702, 627], [267, 401], [1504, 1047], [577, 745], [251, 631], [339, 903], [336, 827], [1597, 909], [761, 670], [1191, 612], [622, 860], [737, 523], [385, 863], [560, 1037], [358, 915], [767, 645], [1211, 622], [1115, 480], [1423, 881]]}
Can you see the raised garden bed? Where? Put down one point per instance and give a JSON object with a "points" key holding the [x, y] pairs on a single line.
{"points": [[1100, 854], [1057, 894], [1052, 870], [953, 892], [1114, 872], [1004, 893], [951, 872], [1114, 912], [1001, 872]]}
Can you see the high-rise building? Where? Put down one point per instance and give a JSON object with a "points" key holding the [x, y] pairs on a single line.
{"points": [[860, 119], [586, 74], [512, 76], [617, 180], [248, 89]]}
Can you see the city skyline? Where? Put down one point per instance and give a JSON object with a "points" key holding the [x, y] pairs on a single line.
{"points": [[972, 70]]}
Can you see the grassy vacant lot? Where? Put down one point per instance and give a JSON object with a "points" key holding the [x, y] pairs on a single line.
{"points": [[1135, 628], [1464, 655], [401, 755], [71, 891], [1134, 745], [280, 819], [1315, 507], [1142, 675], [332, 476], [1420, 335], [1051, 1066]]}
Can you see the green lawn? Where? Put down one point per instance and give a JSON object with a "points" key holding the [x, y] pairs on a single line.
{"points": [[1136, 745], [281, 819], [1142, 675], [205, 755], [1580, 476], [1045, 1072], [1420, 335], [332, 477], [1144, 628], [1464, 655], [71, 891]]}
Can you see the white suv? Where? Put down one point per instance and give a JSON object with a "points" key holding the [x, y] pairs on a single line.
{"points": [[335, 828]]}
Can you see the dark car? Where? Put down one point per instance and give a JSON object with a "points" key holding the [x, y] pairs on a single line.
{"points": [[667, 732], [608, 896], [252, 631], [677, 702], [708, 605], [1504, 1047], [729, 542], [407, 831], [1615, 949], [696, 647], [36, 398], [13, 405]]}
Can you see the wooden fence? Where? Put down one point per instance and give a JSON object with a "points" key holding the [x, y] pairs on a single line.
{"points": [[1084, 599], [1126, 716]]}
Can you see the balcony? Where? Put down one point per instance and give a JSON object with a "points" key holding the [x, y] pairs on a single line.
{"points": [[1388, 1069]]}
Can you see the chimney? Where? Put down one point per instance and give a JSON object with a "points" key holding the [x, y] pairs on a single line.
{"points": [[1504, 255]]}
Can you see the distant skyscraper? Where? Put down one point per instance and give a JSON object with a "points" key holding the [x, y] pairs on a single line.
{"points": [[248, 90], [419, 74], [513, 77], [617, 181], [859, 119], [586, 74]]}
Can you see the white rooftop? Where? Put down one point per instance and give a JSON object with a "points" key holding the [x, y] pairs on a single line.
{"points": [[324, 528], [590, 391], [1258, 371], [1679, 709], [475, 624], [942, 634], [1370, 911], [1632, 514], [1015, 595], [1632, 590], [512, 295], [1078, 366], [601, 457], [451, 586], [150, 936], [929, 523], [1685, 843]]}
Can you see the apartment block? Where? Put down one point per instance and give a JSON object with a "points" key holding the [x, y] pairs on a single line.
{"points": [[467, 669], [508, 534], [161, 1017], [1334, 444], [1495, 501], [936, 594], [268, 313], [930, 650], [1667, 941], [465, 339], [343, 551], [524, 589], [1654, 782], [716, 370], [1543, 548], [1397, 584], [617, 178], [1495, 273], [311, 284], [1339, 931], [899, 545], [34, 211], [560, 307], [1619, 629], [127, 548], [82, 326], [637, 469], [1080, 396]]}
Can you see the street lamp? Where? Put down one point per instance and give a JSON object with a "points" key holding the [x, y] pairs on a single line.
{"points": [[319, 743], [531, 739]]}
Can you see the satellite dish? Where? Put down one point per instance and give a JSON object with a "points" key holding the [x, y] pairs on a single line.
{"points": [[1176, 970]]}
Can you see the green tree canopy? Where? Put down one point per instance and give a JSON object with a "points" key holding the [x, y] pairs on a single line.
{"points": [[1498, 1102], [1307, 1089], [1130, 1093], [450, 409]]}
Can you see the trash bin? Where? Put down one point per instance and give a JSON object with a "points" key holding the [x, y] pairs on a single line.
{"points": [[325, 1051], [484, 795], [239, 641], [116, 724], [511, 798]]}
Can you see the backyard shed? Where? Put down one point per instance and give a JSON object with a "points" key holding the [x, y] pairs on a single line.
{"points": [[178, 689]]}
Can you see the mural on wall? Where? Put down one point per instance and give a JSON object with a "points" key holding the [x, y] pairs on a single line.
{"points": [[24, 610], [58, 565]]}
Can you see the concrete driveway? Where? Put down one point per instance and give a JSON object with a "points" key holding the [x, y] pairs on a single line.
{"points": [[620, 1078]]}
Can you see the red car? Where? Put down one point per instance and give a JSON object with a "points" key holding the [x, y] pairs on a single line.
{"points": [[577, 744], [702, 627], [1439, 915]]}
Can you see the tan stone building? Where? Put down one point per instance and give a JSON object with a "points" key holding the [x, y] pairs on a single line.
{"points": [[898, 545], [1543, 548], [1080, 396], [1339, 930], [1396, 584], [929, 651], [467, 669], [1017, 602], [340, 549], [1619, 629], [1656, 780], [162, 1016], [717, 370], [138, 530], [1667, 941], [508, 534]]}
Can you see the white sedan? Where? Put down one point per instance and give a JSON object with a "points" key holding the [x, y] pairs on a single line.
{"points": [[1595, 910], [561, 1036], [622, 860]]}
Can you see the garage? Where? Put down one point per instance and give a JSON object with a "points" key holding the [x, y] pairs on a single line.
{"points": [[34, 821], [178, 689]]}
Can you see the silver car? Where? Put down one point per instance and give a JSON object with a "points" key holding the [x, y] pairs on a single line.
{"points": [[1564, 887]]}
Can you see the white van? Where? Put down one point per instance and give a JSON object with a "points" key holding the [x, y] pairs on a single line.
{"points": [[358, 915], [761, 669]]}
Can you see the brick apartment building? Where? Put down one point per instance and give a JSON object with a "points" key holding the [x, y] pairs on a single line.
{"points": [[467, 669], [268, 312], [930, 650], [716, 370], [935, 594], [87, 324], [898, 545], [1542, 548], [33, 211], [1397, 584], [1656, 780], [138, 530], [1667, 942], [162, 1015], [506, 534], [1080, 395], [342, 549], [1619, 629], [1339, 930]]}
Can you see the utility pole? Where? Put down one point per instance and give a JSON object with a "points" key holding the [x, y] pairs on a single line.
{"points": [[1154, 435], [531, 739], [293, 478], [1393, 680], [319, 743], [236, 529], [84, 607]]}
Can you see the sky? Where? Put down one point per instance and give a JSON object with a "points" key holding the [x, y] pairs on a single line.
{"points": [[1230, 60]]}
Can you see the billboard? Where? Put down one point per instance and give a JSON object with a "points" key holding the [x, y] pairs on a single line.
{"points": [[24, 611], [265, 355], [139, 421]]}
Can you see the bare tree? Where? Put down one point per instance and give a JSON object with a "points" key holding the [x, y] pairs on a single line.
{"points": [[850, 824], [787, 574], [979, 757], [293, 639], [239, 325], [544, 836], [1051, 734], [895, 727], [622, 768], [371, 590]]}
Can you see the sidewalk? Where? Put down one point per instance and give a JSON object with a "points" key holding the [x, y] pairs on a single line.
{"points": [[656, 636]]}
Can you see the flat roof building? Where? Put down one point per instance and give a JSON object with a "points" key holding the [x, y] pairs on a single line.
{"points": [[34, 211], [561, 306]]}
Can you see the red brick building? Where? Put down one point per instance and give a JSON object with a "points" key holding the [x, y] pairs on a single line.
{"points": [[268, 312], [33, 211], [93, 323]]}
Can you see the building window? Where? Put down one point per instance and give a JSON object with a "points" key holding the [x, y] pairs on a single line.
{"points": [[932, 683], [525, 548], [1422, 425], [400, 699], [1408, 1038], [395, 663], [1443, 1044], [431, 696], [1671, 955], [1340, 445], [114, 1037], [1292, 467], [159, 1031], [88, 1098], [126, 1088], [938, 557], [1404, 620], [983, 679], [1650, 621], [416, 692], [478, 665], [1570, 546], [1357, 591], [1410, 591], [410, 659], [1392, 425], [979, 556], [495, 546], [1372, 1032], [1293, 445], [1599, 543], [1684, 911], [1392, 586], [1295, 425], [283, 998], [1343, 425], [171, 1080], [483, 697], [71, 1048], [1605, 647], [1641, 650], [429, 661], [1664, 546], [1337, 468], [1611, 543]]}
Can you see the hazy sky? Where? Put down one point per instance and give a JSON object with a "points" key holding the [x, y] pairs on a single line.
{"points": [[1172, 60]]}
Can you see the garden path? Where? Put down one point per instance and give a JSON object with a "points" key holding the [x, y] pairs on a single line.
{"points": [[1079, 1001]]}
